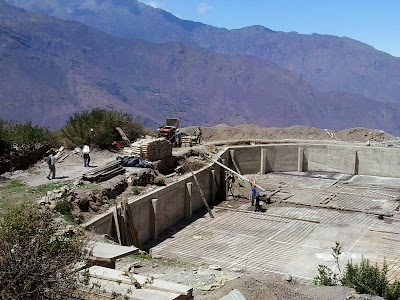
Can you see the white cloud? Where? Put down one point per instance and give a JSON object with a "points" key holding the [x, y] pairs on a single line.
{"points": [[154, 4], [204, 8]]}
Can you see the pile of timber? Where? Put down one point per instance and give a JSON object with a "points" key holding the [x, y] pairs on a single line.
{"points": [[104, 173], [189, 140], [123, 226], [134, 286], [134, 149], [150, 149], [156, 149]]}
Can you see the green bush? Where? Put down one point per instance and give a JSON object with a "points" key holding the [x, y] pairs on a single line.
{"points": [[160, 182], [78, 129], [35, 261], [23, 134]]}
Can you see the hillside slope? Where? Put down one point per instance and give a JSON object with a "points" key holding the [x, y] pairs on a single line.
{"points": [[50, 69], [329, 63]]}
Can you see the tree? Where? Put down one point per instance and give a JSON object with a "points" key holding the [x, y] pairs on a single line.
{"points": [[97, 128]]}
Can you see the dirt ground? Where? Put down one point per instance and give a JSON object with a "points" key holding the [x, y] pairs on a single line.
{"points": [[253, 286]]}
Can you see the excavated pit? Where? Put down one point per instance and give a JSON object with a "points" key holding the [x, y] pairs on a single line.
{"points": [[320, 194]]}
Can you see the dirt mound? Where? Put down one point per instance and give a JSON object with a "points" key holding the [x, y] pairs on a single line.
{"points": [[250, 132]]}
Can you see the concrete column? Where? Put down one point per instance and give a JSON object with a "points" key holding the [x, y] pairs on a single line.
{"points": [[213, 186], [154, 219], [300, 160], [263, 161], [189, 201]]}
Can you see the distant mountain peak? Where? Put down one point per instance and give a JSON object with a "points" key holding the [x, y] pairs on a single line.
{"points": [[257, 28]]}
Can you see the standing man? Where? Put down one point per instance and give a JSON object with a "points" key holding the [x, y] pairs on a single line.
{"points": [[86, 155], [255, 198], [178, 138], [51, 162], [198, 133]]}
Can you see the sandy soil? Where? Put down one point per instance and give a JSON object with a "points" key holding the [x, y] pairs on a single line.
{"points": [[70, 169]]}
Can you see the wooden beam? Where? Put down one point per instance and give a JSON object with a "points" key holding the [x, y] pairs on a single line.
{"points": [[201, 193], [237, 174], [115, 215]]}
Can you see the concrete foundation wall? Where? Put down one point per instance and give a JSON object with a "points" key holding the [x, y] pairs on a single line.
{"points": [[175, 201], [346, 159], [173, 204], [329, 158]]}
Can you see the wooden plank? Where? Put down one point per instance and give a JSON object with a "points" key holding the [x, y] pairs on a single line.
{"points": [[110, 251], [115, 215], [201, 192], [131, 225], [144, 281], [232, 153], [123, 135]]}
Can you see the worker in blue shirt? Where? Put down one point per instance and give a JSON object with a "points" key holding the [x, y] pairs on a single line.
{"points": [[255, 198]]}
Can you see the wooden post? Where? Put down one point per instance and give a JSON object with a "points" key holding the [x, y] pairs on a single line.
{"points": [[201, 193], [189, 201], [356, 163], [300, 160], [115, 215], [154, 219], [263, 161], [213, 186]]}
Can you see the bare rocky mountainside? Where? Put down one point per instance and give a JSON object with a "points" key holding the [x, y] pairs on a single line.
{"points": [[328, 63], [50, 68]]}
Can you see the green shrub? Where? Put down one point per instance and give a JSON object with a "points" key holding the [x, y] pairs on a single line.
{"points": [[364, 277], [23, 134], [35, 261], [135, 191], [78, 129], [160, 182]]}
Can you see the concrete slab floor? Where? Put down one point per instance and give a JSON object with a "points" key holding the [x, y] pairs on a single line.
{"points": [[296, 234]]}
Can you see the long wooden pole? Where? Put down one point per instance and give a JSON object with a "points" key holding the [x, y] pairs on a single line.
{"points": [[237, 174], [201, 193]]}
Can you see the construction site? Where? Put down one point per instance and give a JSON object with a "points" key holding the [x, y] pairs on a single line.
{"points": [[314, 193]]}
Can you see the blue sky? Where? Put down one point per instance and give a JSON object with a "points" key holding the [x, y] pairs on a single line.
{"points": [[375, 22]]}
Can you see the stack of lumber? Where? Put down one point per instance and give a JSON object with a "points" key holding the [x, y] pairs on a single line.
{"points": [[134, 286], [134, 149], [156, 149], [105, 172], [189, 140], [123, 226]]}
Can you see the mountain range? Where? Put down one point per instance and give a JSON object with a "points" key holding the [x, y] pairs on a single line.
{"points": [[160, 66], [328, 63]]}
